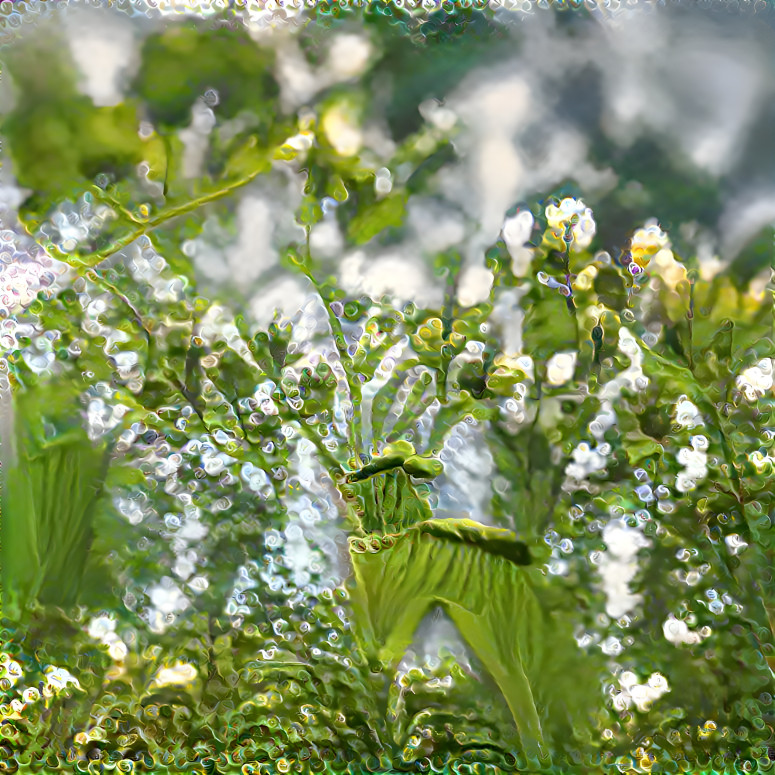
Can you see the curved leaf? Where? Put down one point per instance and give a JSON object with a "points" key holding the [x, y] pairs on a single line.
{"points": [[497, 605], [50, 491]]}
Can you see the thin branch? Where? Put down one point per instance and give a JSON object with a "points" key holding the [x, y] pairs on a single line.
{"points": [[98, 279], [95, 258], [690, 322], [176, 383], [105, 197]]}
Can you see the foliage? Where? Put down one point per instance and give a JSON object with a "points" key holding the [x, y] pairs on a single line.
{"points": [[637, 405]]}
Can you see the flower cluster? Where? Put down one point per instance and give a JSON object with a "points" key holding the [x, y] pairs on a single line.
{"points": [[756, 380], [645, 244], [57, 680], [103, 629], [572, 221], [641, 695], [687, 415], [694, 459]]}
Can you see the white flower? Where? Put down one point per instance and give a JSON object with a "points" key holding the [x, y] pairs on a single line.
{"points": [[101, 627], [684, 483], [560, 367], [622, 701], [687, 415], [757, 380], [167, 597], [118, 650], [628, 679], [612, 646], [13, 671], [185, 564], [638, 694], [678, 632], [192, 530], [179, 674], [31, 695], [735, 543], [58, 678], [659, 682], [17, 706], [694, 460]]}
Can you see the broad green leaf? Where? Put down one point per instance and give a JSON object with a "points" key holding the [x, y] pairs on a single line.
{"points": [[179, 65], [549, 327], [496, 604], [52, 484], [376, 218]]}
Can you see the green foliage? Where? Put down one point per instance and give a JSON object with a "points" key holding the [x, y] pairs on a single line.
{"points": [[225, 61], [649, 428], [471, 571], [54, 479], [58, 140]]}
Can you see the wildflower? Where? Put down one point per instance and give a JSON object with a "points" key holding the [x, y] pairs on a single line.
{"points": [[17, 706], [687, 415], [100, 627], [646, 243], [678, 632], [573, 215], [757, 380], [13, 671], [30, 695], [179, 674], [59, 678], [558, 217]]}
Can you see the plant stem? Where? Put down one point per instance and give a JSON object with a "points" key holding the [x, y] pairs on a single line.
{"points": [[95, 258], [354, 389], [690, 321]]}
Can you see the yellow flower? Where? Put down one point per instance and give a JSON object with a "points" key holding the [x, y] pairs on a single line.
{"points": [[646, 243]]}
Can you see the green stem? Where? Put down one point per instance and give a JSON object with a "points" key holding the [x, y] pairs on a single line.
{"points": [[690, 322], [93, 259], [354, 389]]}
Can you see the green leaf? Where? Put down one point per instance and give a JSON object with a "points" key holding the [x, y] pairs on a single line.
{"points": [[494, 540], [377, 217], [52, 484], [385, 397], [455, 411], [382, 497], [638, 446], [549, 327], [496, 604], [180, 64], [714, 364]]}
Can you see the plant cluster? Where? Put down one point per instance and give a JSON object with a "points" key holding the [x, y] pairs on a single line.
{"points": [[155, 474]]}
